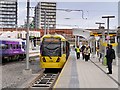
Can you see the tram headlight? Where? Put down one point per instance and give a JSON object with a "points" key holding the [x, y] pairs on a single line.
{"points": [[58, 59], [43, 59]]}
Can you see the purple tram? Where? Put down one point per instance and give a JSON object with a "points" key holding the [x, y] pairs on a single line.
{"points": [[12, 49]]}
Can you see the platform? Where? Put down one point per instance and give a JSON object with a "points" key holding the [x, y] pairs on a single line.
{"points": [[34, 53], [81, 74]]}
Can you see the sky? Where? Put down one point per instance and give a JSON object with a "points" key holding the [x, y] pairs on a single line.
{"points": [[119, 13], [93, 11]]}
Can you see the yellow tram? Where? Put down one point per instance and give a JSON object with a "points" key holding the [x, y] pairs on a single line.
{"points": [[54, 51]]}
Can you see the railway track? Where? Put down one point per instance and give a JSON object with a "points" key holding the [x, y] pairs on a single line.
{"points": [[45, 80], [19, 60]]}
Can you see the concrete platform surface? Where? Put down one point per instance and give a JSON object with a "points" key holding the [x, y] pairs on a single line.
{"points": [[81, 74]]}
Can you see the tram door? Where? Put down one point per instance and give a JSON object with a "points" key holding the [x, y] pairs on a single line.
{"points": [[118, 40]]}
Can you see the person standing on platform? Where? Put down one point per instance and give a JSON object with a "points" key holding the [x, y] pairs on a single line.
{"points": [[97, 50], [110, 55], [106, 53], [100, 56], [82, 50], [86, 53], [77, 52], [89, 50]]}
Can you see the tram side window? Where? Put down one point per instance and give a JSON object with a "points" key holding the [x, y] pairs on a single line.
{"points": [[67, 47], [2, 46], [118, 46], [14, 46], [19, 46], [23, 46], [118, 40], [7, 46], [10, 46], [64, 47]]}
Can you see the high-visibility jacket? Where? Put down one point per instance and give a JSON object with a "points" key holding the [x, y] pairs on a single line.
{"points": [[77, 50]]}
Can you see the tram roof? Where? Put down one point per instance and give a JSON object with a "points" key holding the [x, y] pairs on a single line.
{"points": [[10, 39], [55, 36]]}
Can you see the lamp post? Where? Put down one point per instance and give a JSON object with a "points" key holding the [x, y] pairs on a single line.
{"points": [[45, 22], [36, 18], [48, 27], [101, 48], [27, 71], [99, 23], [16, 27], [27, 40], [108, 17]]}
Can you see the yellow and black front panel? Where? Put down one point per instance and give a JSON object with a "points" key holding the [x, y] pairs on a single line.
{"points": [[52, 61]]}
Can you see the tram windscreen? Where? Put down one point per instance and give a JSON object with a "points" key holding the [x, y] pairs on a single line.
{"points": [[51, 47]]}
